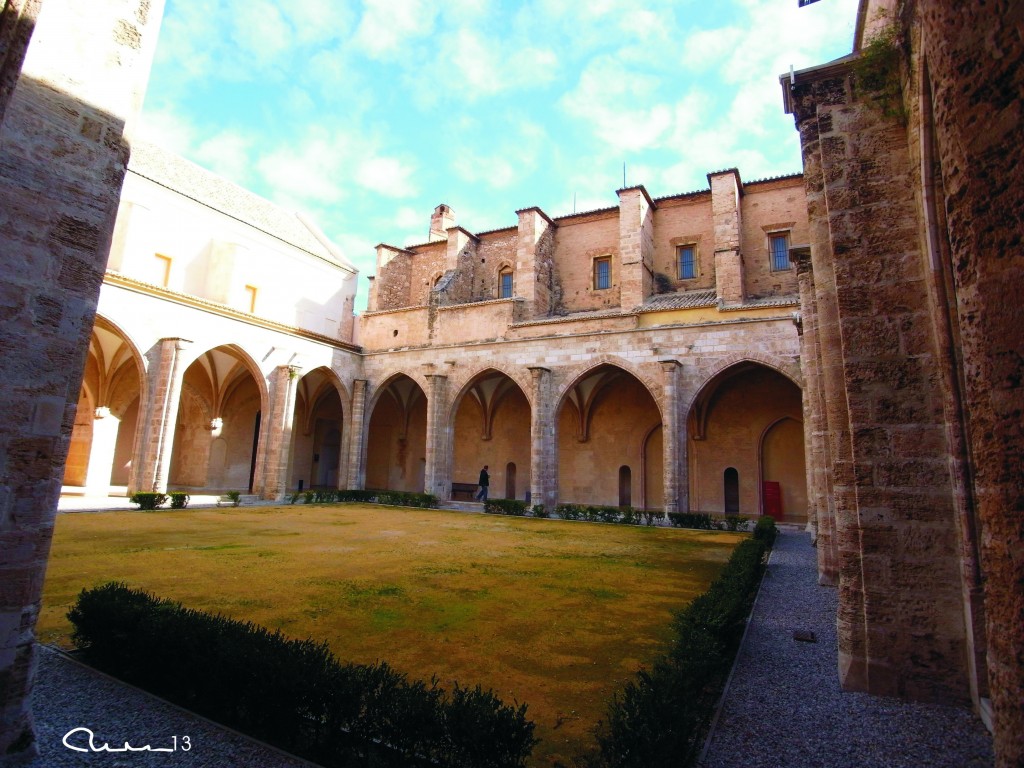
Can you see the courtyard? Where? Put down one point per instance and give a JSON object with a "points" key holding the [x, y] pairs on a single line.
{"points": [[554, 614]]}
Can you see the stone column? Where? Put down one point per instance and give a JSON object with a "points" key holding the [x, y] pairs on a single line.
{"points": [[543, 438], [820, 512], [101, 454], [437, 480], [275, 442], [356, 475], [67, 91], [673, 431], [152, 465]]}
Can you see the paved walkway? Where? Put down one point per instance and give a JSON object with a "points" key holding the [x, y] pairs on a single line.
{"points": [[784, 706]]}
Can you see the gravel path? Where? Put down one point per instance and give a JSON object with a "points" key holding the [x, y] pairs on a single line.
{"points": [[784, 706], [68, 695]]}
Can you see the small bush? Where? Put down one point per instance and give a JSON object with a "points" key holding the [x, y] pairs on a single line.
{"points": [[309, 497], [294, 498], [179, 499], [570, 511], [235, 496], [294, 693], [539, 510], [505, 507], [148, 500], [629, 516], [698, 520], [735, 523], [765, 530], [651, 516]]}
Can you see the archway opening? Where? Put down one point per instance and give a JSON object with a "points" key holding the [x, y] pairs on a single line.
{"points": [[491, 426], [102, 440], [218, 424], [318, 428], [397, 444], [731, 491], [605, 422], [731, 425]]}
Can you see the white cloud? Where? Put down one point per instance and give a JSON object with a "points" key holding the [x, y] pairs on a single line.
{"points": [[310, 173], [228, 154], [168, 129], [387, 25], [387, 176], [408, 217], [615, 102]]}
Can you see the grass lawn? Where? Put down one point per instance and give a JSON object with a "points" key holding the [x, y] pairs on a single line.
{"points": [[554, 614]]}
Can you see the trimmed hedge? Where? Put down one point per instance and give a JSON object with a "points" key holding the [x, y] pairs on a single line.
{"points": [[659, 718], [395, 498], [148, 500], [505, 507], [179, 499], [294, 693]]}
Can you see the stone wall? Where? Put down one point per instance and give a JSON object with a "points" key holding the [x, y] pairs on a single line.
{"points": [[913, 353], [62, 161]]}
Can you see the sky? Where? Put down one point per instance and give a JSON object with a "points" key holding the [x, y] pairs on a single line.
{"points": [[366, 114]]}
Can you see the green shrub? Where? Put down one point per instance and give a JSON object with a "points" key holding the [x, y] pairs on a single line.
{"points": [[659, 718], [294, 693], [308, 497], [179, 499], [235, 496], [570, 511], [651, 516], [629, 516], [148, 500], [765, 529], [294, 498], [735, 523], [505, 507], [539, 510], [697, 520]]}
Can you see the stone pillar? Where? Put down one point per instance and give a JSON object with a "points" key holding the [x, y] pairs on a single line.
{"points": [[101, 454], [165, 374], [673, 431], [72, 75], [356, 474], [636, 246], [437, 480], [544, 441], [275, 441], [816, 453], [534, 265], [726, 190]]}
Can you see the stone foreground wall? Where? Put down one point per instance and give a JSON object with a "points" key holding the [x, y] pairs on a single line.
{"points": [[914, 358], [62, 160]]}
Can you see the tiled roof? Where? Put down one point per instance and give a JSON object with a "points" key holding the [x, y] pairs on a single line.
{"points": [[687, 300], [186, 178], [767, 301]]}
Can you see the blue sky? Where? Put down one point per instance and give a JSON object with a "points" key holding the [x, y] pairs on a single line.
{"points": [[367, 114]]}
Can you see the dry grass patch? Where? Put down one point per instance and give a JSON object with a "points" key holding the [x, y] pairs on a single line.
{"points": [[555, 614]]}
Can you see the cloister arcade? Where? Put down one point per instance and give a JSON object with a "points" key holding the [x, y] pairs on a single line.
{"points": [[601, 439]]}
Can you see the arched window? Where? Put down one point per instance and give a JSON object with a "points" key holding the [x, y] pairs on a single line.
{"points": [[505, 283], [731, 480]]}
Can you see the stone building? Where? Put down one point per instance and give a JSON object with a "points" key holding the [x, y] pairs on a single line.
{"points": [[644, 354], [217, 312], [912, 353]]}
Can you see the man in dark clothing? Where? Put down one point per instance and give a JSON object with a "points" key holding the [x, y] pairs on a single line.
{"points": [[483, 482]]}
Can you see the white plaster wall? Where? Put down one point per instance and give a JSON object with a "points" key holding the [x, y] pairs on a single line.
{"points": [[215, 256]]}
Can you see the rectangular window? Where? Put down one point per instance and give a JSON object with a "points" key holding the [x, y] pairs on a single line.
{"points": [[779, 247], [602, 273], [687, 262], [250, 294], [163, 269], [505, 290]]}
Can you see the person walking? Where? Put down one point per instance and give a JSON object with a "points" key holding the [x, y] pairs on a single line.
{"points": [[483, 482]]}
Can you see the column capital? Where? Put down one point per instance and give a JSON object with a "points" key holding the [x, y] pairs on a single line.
{"points": [[670, 364], [537, 371], [800, 255]]}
